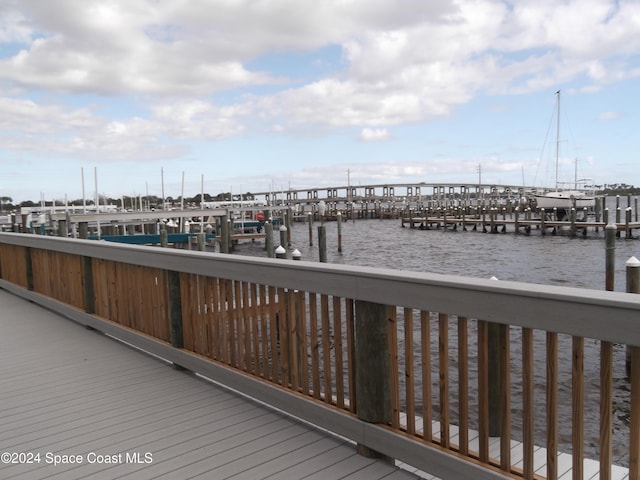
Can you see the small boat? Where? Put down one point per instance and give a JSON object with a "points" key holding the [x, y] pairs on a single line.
{"points": [[562, 198], [565, 199]]}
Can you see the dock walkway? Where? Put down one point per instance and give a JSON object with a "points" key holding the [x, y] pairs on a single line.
{"points": [[103, 410]]}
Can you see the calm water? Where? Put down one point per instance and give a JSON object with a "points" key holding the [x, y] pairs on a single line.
{"points": [[552, 260]]}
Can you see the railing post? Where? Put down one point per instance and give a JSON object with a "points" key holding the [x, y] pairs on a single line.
{"points": [[28, 268], [633, 372], [372, 367], [175, 309], [87, 285], [633, 286], [494, 349], [494, 378]]}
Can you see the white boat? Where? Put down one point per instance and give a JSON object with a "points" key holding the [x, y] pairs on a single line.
{"points": [[563, 198]]}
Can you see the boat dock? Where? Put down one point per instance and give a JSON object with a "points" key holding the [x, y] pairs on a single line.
{"points": [[489, 208], [78, 404], [310, 340], [503, 220]]}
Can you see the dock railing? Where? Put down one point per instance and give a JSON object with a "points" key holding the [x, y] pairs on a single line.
{"points": [[458, 377]]}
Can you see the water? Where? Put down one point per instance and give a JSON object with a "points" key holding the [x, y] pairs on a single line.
{"points": [[551, 260]]}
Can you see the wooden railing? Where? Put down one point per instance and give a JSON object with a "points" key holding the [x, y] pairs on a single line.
{"points": [[459, 377]]}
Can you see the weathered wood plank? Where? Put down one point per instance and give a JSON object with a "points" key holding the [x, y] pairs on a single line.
{"points": [[78, 392]]}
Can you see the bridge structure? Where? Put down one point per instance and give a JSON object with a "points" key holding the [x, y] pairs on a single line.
{"points": [[409, 192]]}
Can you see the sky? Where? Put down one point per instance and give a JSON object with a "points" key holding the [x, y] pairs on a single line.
{"points": [[262, 95]]}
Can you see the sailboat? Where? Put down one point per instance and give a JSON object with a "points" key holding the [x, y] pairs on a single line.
{"points": [[563, 198]]}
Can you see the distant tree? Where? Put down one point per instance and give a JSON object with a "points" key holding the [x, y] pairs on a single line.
{"points": [[223, 197], [196, 198], [6, 204]]}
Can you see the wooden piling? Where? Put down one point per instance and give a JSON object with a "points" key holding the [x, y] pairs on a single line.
{"points": [[164, 237], [610, 254], [372, 365], [618, 213], [268, 239], [339, 217], [310, 223], [62, 228], [288, 222], [224, 234], [202, 242], [84, 230], [284, 234], [322, 243]]}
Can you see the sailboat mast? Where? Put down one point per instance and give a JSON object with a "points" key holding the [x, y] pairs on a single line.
{"points": [[557, 138]]}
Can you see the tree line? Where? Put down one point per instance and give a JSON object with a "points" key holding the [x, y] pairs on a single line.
{"points": [[148, 201]]}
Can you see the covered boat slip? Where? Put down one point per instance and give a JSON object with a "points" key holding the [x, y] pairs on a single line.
{"points": [[99, 409]]}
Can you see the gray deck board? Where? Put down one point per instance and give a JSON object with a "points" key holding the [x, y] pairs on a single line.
{"points": [[71, 391]]}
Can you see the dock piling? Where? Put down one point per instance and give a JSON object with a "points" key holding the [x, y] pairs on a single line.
{"points": [[284, 236], [610, 253], [268, 238], [339, 218], [373, 397], [322, 243]]}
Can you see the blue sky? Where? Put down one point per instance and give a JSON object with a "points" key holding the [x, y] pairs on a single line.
{"points": [[271, 94]]}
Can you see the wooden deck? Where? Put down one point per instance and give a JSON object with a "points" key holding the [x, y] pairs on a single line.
{"points": [[69, 391]]}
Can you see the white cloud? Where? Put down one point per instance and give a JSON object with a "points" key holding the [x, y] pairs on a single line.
{"points": [[55, 129], [374, 134], [177, 59], [443, 52], [606, 116]]}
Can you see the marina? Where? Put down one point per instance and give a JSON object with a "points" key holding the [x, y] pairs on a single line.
{"points": [[487, 208], [113, 297], [442, 242], [320, 240]]}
